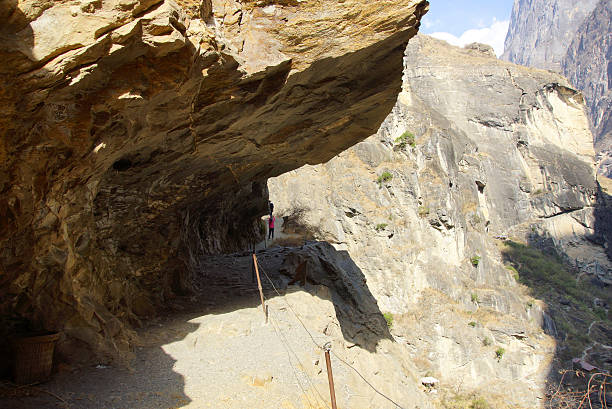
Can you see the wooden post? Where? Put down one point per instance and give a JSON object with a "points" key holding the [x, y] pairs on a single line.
{"points": [[263, 305], [330, 376], [253, 269]]}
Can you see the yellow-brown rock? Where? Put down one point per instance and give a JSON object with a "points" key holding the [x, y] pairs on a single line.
{"points": [[136, 135]]}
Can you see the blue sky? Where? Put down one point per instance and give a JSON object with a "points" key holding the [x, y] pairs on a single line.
{"points": [[463, 21]]}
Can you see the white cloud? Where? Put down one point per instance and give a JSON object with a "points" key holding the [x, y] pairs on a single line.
{"points": [[428, 23], [494, 35]]}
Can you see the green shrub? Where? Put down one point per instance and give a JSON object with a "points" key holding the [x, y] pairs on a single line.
{"points": [[472, 324], [514, 272], [601, 313], [480, 403], [423, 211], [475, 298], [499, 353], [487, 341], [476, 219], [469, 401], [384, 177], [380, 226], [541, 271], [389, 318], [475, 260], [407, 138]]}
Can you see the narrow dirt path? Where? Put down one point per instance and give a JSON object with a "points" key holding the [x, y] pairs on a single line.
{"points": [[207, 355], [216, 351]]}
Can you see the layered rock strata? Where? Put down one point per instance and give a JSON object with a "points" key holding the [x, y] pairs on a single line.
{"points": [[541, 30], [136, 137], [476, 150], [588, 65], [574, 39]]}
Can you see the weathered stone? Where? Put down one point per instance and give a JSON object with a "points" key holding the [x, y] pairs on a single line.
{"points": [[483, 131], [587, 64], [136, 137], [574, 39], [541, 30]]}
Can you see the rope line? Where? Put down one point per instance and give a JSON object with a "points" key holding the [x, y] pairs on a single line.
{"points": [[365, 380], [297, 378], [320, 347], [287, 345], [291, 308]]}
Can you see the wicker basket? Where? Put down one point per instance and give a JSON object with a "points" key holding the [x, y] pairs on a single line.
{"points": [[33, 358]]}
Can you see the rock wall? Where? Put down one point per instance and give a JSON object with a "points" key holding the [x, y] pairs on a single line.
{"points": [[475, 150], [572, 38], [541, 30], [137, 136], [588, 65]]}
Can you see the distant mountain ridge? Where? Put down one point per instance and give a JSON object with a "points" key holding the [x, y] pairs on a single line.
{"points": [[573, 38], [541, 30], [588, 65]]}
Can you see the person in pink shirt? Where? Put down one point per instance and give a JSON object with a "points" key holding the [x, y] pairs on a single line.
{"points": [[271, 227]]}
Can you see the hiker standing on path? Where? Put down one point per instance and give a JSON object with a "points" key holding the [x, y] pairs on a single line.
{"points": [[271, 226]]}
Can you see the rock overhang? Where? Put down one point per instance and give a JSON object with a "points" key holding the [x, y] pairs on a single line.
{"points": [[151, 124]]}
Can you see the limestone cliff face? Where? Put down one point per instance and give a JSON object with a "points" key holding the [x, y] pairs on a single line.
{"points": [[541, 30], [137, 135], [588, 65], [498, 150], [572, 38]]}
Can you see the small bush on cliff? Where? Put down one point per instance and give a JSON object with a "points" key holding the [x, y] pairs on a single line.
{"points": [[423, 211], [475, 260], [499, 353], [407, 138], [486, 341], [515, 273], [465, 402], [474, 298], [389, 318], [380, 226], [384, 177], [480, 403]]}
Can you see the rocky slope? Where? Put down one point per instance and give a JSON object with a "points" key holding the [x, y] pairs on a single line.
{"points": [[475, 150], [588, 65], [572, 38], [137, 136]]}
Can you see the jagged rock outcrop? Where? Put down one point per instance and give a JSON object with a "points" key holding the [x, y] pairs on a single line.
{"points": [[475, 149], [136, 137], [541, 30], [588, 65]]}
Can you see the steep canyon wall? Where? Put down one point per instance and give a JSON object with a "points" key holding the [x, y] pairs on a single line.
{"points": [[573, 38], [476, 150]]}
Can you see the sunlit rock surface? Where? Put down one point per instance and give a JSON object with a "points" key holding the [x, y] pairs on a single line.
{"points": [[573, 38], [136, 136], [588, 65], [499, 151]]}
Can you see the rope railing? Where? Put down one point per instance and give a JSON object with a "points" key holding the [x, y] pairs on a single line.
{"points": [[263, 270]]}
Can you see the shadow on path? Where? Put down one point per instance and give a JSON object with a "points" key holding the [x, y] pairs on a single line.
{"points": [[227, 284]]}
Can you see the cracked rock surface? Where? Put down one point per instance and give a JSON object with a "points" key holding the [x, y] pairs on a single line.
{"points": [[138, 135], [478, 150]]}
